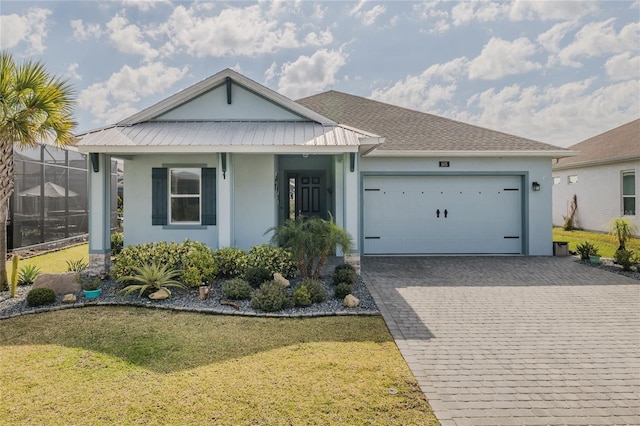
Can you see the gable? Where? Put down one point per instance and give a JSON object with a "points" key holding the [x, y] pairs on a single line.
{"points": [[245, 106]]}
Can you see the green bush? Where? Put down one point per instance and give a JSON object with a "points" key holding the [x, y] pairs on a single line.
{"points": [[256, 275], [301, 296], [317, 292], [586, 249], [117, 243], [232, 262], [342, 289], [625, 258], [275, 259], [41, 296], [344, 275], [270, 297], [28, 274], [193, 260], [236, 289], [76, 265]]}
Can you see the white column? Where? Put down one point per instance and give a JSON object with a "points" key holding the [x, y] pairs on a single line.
{"points": [[100, 214], [224, 202], [351, 206], [338, 195]]}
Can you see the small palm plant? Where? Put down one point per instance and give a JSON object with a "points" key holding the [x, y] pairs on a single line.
{"points": [[152, 277], [622, 229], [28, 274]]}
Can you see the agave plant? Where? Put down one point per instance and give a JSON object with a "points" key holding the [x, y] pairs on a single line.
{"points": [[151, 277], [28, 274]]}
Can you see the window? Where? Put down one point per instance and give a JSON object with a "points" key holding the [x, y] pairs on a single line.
{"points": [[184, 196], [572, 178], [556, 180], [628, 193]]}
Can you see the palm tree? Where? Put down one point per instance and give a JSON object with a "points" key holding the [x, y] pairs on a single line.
{"points": [[35, 107], [622, 229]]}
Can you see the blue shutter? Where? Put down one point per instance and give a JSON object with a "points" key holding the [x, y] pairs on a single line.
{"points": [[208, 196], [159, 194]]}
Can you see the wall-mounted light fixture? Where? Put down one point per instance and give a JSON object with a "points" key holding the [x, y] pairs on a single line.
{"points": [[535, 186], [352, 161], [95, 161], [223, 160]]}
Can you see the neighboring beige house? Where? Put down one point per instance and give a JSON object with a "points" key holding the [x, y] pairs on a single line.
{"points": [[603, 176]]}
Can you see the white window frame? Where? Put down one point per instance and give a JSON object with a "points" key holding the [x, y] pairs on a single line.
{"points": [[623, 195], [571, 181], [198, 171], [557, 180]]}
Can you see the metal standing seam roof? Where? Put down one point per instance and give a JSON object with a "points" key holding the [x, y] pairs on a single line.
{"points": [[409, 130], [223, 135]]}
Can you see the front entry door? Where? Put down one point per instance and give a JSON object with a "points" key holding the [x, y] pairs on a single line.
{"points": [[307, 195]]}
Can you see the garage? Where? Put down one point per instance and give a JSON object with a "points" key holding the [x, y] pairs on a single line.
{"points": [[442, 214]]}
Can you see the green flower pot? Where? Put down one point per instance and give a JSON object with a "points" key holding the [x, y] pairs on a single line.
{"points": [[594, 260], [92, 294]]}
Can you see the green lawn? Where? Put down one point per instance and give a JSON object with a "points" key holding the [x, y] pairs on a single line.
{"points": [[54, 262], [125, 365], [607, 244]]}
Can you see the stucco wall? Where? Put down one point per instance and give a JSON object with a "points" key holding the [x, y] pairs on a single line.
{"points": [[137, 201], [536, 206], [254, 200], [599, 194]]}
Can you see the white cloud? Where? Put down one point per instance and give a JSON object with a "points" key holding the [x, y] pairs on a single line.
{"points": [[465, 12], [551, 38], [367, 17], [144, 5], [270, 73], [112, 100], [623, 67], [82, 31], [320, 39], [30, 28], [310, 74], [234, 32], [560, 115], [422, 92], [600, 38], [128, 38], [500, 58], [550, 10], [72, 71]]}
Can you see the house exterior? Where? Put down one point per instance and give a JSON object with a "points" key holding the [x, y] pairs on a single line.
{"points": [[603, 177], [227, 158]]}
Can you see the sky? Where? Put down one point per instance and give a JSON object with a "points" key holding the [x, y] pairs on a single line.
{"points": [[553, 71]]}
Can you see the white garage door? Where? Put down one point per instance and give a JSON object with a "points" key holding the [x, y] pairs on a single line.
{"points": [[442, 214]]}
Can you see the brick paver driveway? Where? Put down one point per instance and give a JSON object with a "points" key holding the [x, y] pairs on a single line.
{"points": [[514, 340]]}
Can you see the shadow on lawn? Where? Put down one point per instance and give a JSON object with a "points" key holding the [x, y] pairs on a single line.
{"points": [[169, 341]]}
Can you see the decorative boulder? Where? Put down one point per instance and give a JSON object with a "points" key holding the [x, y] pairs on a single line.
{"points": [[277, 277], [69, 298], [60, 283], [350, 301], [159, 295]]}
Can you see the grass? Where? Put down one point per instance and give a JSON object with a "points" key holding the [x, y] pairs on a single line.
{"points": [[606, 244], [54, 262], [124, 365]]}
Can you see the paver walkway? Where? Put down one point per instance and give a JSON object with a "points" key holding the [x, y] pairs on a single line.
{"points": [[514, 340]]}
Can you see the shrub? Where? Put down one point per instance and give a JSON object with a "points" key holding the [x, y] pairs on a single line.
{"points": [[586, 249], [301, 296], [117, 243], [89, 283], [317, 292], [152, 277], [198, 265], [344, 275], [236, 289], [256, 275], [270, 297], [41, 296], [342, 289], [625, 258], [28, 274], [232, 262], [76, 265], [274, 259]]}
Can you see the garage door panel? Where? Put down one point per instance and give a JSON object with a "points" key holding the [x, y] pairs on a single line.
{"points": [[442, 214]]}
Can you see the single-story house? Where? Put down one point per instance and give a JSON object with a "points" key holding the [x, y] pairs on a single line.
{"points": [[603, 177], [227, 158]]}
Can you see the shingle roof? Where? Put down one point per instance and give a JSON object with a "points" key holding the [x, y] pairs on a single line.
{"points": [[619, 144], [409, 130]]}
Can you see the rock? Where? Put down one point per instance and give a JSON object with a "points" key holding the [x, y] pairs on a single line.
{"points": [[69, 298], [350, 301], [159, 295], [60, 283], [277, 277]]}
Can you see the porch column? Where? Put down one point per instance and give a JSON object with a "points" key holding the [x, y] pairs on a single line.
{"points": [[99, 213], [351, 206], [225, 200]]}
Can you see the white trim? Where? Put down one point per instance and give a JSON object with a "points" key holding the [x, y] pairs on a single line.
{"points": [[581, 164], [209, 149], [172, 196], [479, 153]]}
